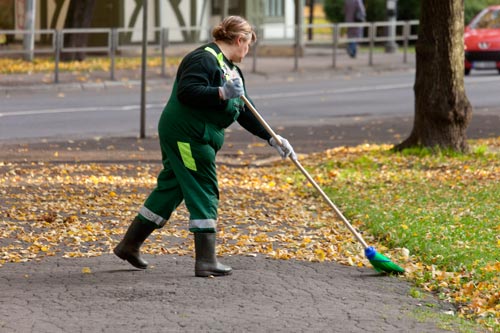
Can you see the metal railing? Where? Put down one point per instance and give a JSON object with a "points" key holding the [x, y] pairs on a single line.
{"points": [[119, 40], [111, 47], [405, 32]]}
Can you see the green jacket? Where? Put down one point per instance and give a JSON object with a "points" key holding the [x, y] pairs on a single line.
{"points": [[195, 105]]}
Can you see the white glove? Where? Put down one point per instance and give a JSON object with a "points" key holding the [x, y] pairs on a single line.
{"points": [[285, 149], [232, 89]]}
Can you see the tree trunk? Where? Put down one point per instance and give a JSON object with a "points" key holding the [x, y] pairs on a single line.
{"points": [[442, 109], [79, 16]]}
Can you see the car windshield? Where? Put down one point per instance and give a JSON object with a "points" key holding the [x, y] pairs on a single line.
{"points": [[488, 19]]}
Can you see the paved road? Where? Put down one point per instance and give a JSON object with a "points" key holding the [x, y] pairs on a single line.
{"points": [[307, 99]]}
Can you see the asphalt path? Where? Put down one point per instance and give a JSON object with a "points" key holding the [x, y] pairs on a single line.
{"points": [[262, 295], [305, 101]]}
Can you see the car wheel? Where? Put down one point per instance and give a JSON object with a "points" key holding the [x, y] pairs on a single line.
{"points": [[467, 71], [498, 70]]}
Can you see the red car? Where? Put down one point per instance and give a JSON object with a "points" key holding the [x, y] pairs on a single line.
{"points": [[482, 41]]}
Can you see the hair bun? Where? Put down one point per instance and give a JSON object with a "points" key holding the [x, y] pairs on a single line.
{"points": [[231, 28]]}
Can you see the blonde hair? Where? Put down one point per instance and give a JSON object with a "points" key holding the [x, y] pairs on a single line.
{"points": [[233, 27]]}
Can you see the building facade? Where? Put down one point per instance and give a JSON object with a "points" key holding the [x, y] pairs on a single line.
{"points": [[186, 20]]}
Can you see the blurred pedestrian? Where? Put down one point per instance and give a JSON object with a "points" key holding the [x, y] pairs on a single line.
{"points": [[354, 11], [203, 102]]}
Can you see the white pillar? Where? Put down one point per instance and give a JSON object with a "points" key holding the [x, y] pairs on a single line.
{"points": [[391, 45], [224, 8]]}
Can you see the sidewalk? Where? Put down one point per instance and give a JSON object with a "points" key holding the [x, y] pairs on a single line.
{"points": [[315, 62], [262, 295], [104, 294]]}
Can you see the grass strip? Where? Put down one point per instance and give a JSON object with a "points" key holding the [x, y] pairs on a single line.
{"points": [[442, 206]]}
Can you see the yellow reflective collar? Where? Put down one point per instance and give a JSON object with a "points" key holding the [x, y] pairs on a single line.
{"points": [[220, 60]]}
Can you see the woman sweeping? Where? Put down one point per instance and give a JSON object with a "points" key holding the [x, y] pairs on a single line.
{"points": [[205, 100]]}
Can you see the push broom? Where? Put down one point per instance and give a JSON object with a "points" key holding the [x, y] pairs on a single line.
{"points": [[380, 262]]}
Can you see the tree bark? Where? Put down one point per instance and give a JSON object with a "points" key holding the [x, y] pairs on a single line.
{"points": [[442, 109], [79, 16]]}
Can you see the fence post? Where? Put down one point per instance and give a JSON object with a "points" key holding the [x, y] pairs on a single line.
{"points": [[406, 33], [255, 51], [372, 43], [163, 45], [113, 40], [57, 54], [297, 48], [144, 59], [336, 34]]}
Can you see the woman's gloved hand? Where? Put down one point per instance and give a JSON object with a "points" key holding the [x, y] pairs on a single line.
{"points": [[285, 149], [232, 89]]}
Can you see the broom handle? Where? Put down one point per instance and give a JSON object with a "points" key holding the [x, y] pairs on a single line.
{"points": [[305, 173]]}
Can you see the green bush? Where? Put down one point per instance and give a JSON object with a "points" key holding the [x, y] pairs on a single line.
{"points": [[375, 10], [472, 8], [334, 10], [408, 10]]}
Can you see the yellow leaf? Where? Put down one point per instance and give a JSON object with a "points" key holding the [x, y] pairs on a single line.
{"points": [[86, 270], [305, 242], [320, 254], [257, 144], [262, 237]]}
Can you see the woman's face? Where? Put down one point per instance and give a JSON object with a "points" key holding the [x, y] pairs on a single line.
{"points": [[242, 47]]}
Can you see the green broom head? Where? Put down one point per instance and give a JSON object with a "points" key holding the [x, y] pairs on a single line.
{"points": [[381, 263]]}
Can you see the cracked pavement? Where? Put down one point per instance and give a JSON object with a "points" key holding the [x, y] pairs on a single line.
{"points": [[104, 294]]}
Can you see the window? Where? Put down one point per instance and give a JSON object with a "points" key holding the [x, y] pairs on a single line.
{"points": [[235, 7], [274, 8], [488, 19]]}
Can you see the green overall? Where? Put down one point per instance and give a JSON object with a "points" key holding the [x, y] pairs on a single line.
{"points": [[191, 132]]}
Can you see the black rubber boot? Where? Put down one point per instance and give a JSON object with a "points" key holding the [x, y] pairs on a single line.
{"points": [[206, 261], [128, 248]]}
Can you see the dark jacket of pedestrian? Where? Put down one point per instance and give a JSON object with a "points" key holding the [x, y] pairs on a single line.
{"points": [[354, 11]]}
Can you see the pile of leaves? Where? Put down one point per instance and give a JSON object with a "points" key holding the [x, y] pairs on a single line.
{"points": [[46, 65], [80, 210]]}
